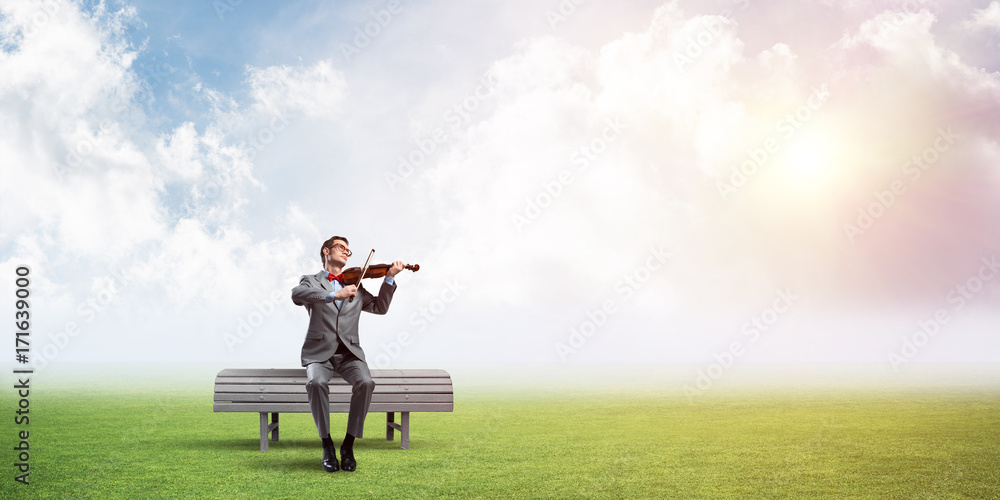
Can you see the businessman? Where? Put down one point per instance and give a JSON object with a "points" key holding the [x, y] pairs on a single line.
{"points": [[332, 346]]}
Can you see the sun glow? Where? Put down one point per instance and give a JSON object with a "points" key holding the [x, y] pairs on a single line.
{"points": [[809, 159], [810, 170], [812, 166]]}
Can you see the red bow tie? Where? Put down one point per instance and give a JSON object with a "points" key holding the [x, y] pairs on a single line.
{"points": [[338, 277]]}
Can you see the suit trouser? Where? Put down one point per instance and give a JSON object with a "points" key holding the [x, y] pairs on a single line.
{"points": [[356, 373]]}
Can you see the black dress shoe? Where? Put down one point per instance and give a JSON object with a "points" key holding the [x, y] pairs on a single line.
{"points": [[330, 459], [347, 459]]}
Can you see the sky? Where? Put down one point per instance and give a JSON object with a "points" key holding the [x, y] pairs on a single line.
{"points": [[584, 184]]}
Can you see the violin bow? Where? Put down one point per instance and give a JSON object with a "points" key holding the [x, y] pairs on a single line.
{"points": [[363, 271]]}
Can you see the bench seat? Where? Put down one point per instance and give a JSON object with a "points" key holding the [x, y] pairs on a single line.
{"points": [[283, 390]]}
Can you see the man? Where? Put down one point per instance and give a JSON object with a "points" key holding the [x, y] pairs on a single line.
{"points": [[332, 345]]}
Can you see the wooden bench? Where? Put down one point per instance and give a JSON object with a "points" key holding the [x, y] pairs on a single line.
{"points": [[277, 391]]}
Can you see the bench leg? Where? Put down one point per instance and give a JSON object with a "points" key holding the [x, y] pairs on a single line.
{"points": [[404, 441], [390, 417], [263, 431], [274, 425], [403, 427]]}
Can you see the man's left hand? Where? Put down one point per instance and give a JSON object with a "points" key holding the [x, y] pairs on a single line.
{"points": [[395, 268]]}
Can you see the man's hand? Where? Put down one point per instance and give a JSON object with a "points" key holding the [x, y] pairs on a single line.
{"points": [[346, 292], [395, 268]]}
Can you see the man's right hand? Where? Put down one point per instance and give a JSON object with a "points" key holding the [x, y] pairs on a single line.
{"points": [[346, 292]]}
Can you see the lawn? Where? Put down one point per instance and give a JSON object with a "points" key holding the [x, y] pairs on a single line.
{"points": [[167, 442]]}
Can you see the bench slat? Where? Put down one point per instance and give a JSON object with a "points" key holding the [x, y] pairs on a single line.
{"points": [[334, 407], [301, 372], [333, 381], [334, 397], [301, 389]]}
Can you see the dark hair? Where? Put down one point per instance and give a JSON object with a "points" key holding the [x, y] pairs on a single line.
{"points": [[329, 243]]}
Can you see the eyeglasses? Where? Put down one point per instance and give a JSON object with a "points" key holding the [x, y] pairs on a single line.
{"points": [[337, 247]]}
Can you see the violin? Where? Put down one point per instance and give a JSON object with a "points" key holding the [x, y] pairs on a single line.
{"points": [[353, 274], [356, 274]]}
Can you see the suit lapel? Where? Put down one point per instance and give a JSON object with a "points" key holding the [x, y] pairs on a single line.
{"points": [[323, 282]]}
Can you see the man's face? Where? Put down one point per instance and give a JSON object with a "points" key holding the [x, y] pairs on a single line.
{"points": [[339, 253]]}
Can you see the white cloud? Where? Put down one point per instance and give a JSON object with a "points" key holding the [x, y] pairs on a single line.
{"points": [[70, 168], [693, 106], [90, 186], [315, 91], [179, 153], [618, 124], [987, 17]]}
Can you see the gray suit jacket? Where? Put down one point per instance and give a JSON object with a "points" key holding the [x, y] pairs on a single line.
{"points": [[330, 325]]}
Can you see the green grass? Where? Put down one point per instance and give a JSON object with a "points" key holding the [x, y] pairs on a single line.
{"points": [[158, 443]]}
